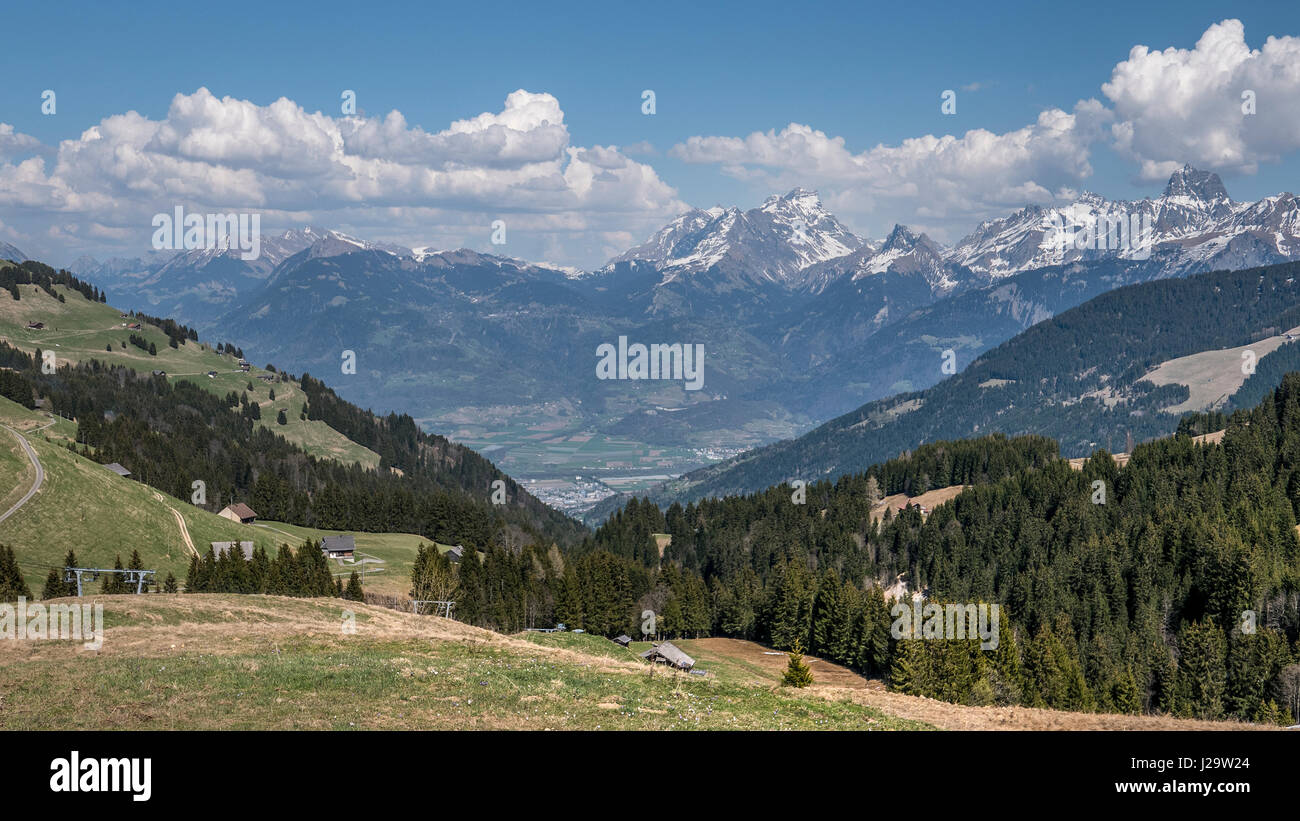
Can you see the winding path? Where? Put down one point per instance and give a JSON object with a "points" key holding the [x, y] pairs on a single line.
{"points": [[180, 521], [36, 463]]}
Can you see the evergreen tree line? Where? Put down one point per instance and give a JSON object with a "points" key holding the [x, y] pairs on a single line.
{"points": [[402, 445], [143, 344], [538, 586], [14, 387], [31, 272], [177, 334], [304, 572]]}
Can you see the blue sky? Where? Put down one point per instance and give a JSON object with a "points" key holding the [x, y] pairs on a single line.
{"points": [[869, 75]]}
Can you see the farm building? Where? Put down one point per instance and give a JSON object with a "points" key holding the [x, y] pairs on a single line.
{"points": [[35, 326], [668, 653], [338, 547], [221, 548], [623, 640], [456, 554], [238, 512], [118, 469], [160, 373]]}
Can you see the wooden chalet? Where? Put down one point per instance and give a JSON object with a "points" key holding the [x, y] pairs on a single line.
{"points": [[670, 654], [239, 512], [338, 547]]}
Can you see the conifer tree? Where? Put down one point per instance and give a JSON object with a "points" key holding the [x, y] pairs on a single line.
{"points": [[113, 582], [136, 563], [12, 584], [55, 587], [469, 589], [874, 640], [193, 578], [259, 568], [797, 673], [826, 611], [354, 591], [169, 586], [912, 671], [1202, 652], [1005, 675], [1125, 695]]}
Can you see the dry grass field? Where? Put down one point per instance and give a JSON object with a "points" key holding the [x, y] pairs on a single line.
{"points": [[1212, 376], [264, 662], [745, 660], [928, 500]]}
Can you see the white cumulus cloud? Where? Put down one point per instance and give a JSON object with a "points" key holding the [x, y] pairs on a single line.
{"points": [[379, 176], [1187, 105], [933, 181]]}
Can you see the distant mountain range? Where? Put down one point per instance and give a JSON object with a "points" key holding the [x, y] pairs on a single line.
{"points": [[1087, 378], [801, 319]]}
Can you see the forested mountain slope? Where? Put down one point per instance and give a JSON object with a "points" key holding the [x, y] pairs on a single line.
{"points": [[173, 429], [1077, 378], [1176, 589]]}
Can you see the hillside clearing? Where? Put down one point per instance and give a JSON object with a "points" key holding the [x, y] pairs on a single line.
{"points": [[78, 330], [1212, 376], [928, 500]]}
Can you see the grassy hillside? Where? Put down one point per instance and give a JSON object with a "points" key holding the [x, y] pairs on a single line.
{"points": [[85, 507], [101, 515], [263, 662], [78, 330]]}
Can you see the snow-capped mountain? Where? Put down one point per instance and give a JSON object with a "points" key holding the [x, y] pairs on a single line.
{"points": [[8, 251], [273, 251], [1193, 226], [904, 255], [332, 244], [772, 244], [662, 247], [905, 252]]}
